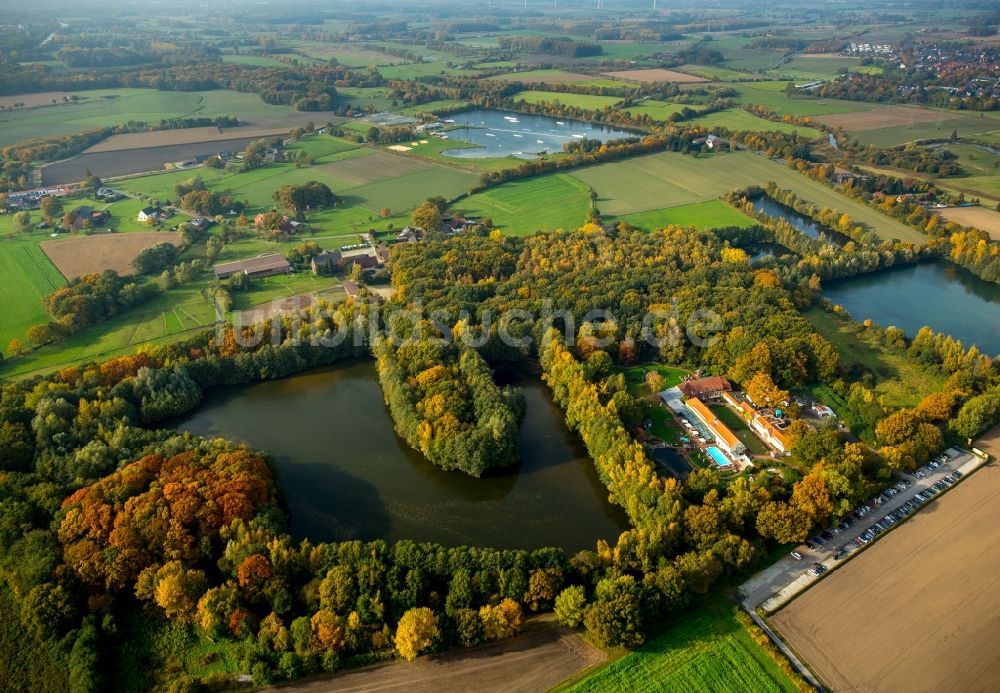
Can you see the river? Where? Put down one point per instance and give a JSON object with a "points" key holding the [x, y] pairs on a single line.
{"points": [[346, 475], [502, 133], [948, 298]]}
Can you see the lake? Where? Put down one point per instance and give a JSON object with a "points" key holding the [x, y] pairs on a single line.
{"points": [[799, 221], [948, 298], [500, 133], [346, 475]]}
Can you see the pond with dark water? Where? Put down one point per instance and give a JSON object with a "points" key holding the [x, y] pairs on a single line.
{"points": [[945, 297], [347, 475], [799, 221]]}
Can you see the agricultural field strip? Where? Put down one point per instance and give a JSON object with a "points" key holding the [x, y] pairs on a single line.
{"points": [[668, 179], [163, 138], [906, 613]]}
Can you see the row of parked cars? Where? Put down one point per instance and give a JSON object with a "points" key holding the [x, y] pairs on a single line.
{"points": [[932, 465], [890, 519], [907, 508]]}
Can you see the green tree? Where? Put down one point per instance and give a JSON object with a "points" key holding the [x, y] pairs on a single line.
{"points": [[570, 605]]}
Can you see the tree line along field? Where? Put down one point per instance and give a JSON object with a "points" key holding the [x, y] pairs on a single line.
{"points": [[668, 179], [706, 649]]}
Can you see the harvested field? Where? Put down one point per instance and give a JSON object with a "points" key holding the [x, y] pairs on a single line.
{"points": [[982, 218], [920, 610], [362, 170], [655, 74], [44, 98], [165, 138], [130, 161], [883, 117], [108, 251], [533, 662]]}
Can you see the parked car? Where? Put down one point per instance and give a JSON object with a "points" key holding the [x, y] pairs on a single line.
{"points": [[818, 540], [809, 545], [840, 554], [827, 535], [796, 555]]}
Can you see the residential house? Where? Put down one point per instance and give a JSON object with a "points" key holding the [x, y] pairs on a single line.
{"points": [[712, 141], [351, 289], [327, 262], [86, 216], [201, 223], [409, 234], [147, 214], [705, 388]]}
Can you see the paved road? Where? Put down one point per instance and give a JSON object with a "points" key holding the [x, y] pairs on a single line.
{"points": [[788, 575]]}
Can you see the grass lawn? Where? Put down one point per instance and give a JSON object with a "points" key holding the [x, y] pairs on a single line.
{"points": [[972, 126], [706, 649], [522, 207], [661, 110], [898, 378], [561, 76], [669, 179], [28, 277], [635, 377], [739, 120], [737, 425], [431, 106], [434, 146], [712, 214], [772, 95], [587, 101]]}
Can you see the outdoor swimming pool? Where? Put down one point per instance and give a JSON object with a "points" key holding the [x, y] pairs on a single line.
{"points": [[718, 457]]}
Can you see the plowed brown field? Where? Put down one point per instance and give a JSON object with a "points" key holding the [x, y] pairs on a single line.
{"points": [[920, 610], [115, 251]]}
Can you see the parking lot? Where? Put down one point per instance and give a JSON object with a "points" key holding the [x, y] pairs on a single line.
{"points": [[774, 586]]}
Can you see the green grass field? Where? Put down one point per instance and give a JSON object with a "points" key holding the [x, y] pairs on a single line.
{"points": [[712, 214], [739, 120], [772, 95], [28, 277], [661, 110], [587, 101], [972, 126], [521, 207], [100, 107], [669, 179], [738, 426], [706, 649], [714, 73], [899, 379], [560, 76]]}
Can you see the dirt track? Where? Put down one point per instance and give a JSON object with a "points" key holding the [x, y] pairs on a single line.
{"points": [[919, 611], [532, 662]]}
